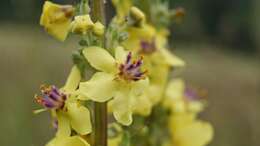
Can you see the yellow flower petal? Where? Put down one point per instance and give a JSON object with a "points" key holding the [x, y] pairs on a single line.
{"points": [[100, 59], [73, 80], [178, 106], [63, 125], [120, 54], [142, 105], [81, 96], [122, 109], [138, 87], [155, 93], [122, 7], [195, 106], [59, 31], [56, 19], [190, 132], [147, 32], [174, 96], [162, 38], [171, 59], [68, 141], [154, 66], [79, 118], [175, 89], [101, 87]]}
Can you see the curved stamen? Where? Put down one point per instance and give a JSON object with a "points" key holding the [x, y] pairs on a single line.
{"points": [[131, 70], [51, 97]]}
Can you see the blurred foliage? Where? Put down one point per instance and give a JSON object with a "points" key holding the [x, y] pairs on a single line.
{"points": [[230, 22]]}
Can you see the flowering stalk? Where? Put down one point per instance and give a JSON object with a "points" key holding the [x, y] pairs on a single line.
{"points": [[100, 109], [129, 65]]}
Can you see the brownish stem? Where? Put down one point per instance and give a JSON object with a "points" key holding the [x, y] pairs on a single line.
{"points": [[100, 109]]}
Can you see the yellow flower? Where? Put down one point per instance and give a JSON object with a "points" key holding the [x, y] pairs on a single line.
{"points": [[122, 8], [119, 80], [68, 141], [182, 99], [187, 131], [65, 107], [152, 44], [56, 19], [82, 24], [158, 75]]}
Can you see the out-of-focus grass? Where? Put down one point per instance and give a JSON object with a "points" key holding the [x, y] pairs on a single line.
{"points": [[29, 58]]}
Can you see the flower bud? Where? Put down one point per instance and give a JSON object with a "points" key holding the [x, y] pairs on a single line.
{"points": [[82, 24], [98, 29], [137, 17], [56, 19]]}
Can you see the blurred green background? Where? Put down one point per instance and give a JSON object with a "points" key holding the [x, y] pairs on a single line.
{"points": [[219, 40]]}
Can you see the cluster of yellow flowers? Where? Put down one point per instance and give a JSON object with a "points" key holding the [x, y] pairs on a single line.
{"points": [[132, 77]]}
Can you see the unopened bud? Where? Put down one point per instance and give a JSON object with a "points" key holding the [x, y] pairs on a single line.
{"points": [[98, 29], [82, 24], [56, 19], [137, 17]]}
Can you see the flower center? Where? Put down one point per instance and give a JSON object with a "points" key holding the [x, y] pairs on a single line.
{"points": [[148, 47], [131, 70], [194, 94], [52, 97]]}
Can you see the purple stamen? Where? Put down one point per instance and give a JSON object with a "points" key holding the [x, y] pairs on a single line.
{"points": [[131, 70], [55, 90], [48, 103], [51, 98], [54, 96], [128, 59], [139, 63], [130, 66]]}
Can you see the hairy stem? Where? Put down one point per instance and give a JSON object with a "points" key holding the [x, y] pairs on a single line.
{"points": [[100, 109]]}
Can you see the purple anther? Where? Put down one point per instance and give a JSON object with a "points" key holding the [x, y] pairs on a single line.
{"points": [[131, 70], [51, 97]]}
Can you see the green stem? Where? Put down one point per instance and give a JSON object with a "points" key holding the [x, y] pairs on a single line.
{"points": [[84, 8], [100, 109]]}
